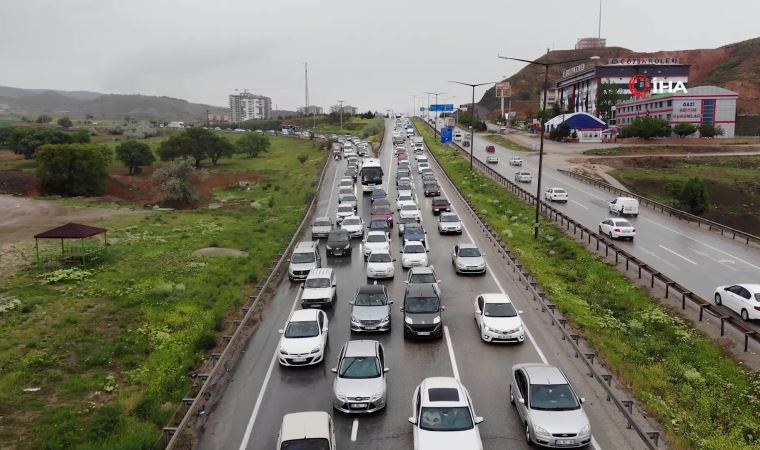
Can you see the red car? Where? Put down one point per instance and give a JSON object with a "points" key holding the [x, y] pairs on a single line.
{"points": [[490, 149]]}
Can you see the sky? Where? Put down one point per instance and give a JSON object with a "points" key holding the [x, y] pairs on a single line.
{"points": [[374, 55]]}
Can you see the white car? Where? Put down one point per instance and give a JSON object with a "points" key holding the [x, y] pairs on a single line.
{"points": [[304, 338], [376, 241], [380, 264], [497, 319], [405, 180], [344, 210], [492, 159], [312, 429], [406, 199], [743, 299], [442, 416], [515, 161], [414, 254], [449, 222], [556, 195], [410, 210], [354, 225], [523, 177], [405, 193], [319, 288], [422, 166], [617, 229], [359, 385]]}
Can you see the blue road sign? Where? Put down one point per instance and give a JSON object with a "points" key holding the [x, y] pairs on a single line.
{"points": [[422, 109], [442, 107], [447, 134]]}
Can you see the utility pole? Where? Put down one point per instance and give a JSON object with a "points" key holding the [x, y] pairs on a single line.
{"points": [[473, 115], [599, 32], [341, 113], [435, 123], [208, 122], [306, 88]]}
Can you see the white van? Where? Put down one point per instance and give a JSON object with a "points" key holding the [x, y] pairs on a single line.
{"points": [[313, 429], [458, 136], [625, 206]]}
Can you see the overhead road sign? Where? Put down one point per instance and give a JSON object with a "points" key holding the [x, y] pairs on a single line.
{"points": [[442, 107]]}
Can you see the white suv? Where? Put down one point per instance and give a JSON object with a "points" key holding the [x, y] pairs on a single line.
{"points": [[523, 177], [556, 195], [319, 289], [313, 429]]}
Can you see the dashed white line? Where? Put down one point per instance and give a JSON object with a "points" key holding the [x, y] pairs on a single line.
{"points": [[653, 254], [451, 352], [354, 430], [332, 189], [722, 262], [677, 254], [582, 206]]}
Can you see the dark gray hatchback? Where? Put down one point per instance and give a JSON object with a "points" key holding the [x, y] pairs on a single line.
{"points": [[338, 243]]}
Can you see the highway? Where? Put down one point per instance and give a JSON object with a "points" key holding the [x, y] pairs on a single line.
{"points": [[250, 411], [695, 258]]}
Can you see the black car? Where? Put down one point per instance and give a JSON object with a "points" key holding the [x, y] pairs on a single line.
{"points": [[351, 172], [423, 313], [379, 224], [403, 221], [441, 204], [431, 189], [338, 243]]}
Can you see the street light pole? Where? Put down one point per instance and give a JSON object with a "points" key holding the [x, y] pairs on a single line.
{"points": [[474, 121], [435, 123], [543, 127], [341, 113]]}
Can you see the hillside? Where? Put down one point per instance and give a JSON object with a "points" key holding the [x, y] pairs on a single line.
{"points": [[734, 66], [31, 102]]}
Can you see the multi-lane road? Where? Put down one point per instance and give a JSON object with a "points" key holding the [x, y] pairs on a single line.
{"points": [[249, 413], [695, 258]]}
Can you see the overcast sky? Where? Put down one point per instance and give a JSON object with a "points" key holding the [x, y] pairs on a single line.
{"points": [[372, 54]]}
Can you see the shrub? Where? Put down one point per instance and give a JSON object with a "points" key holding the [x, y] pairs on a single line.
{"points": [[106, 421], [134, 155], [206, 341], [302, 158], [43, 118], [684, 129], [647, 128], [176, 179], [65, 122], [72, 169], [709, 130]]}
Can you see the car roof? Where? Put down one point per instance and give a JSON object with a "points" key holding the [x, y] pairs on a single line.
{"points": [[449, 213], [305, 246], [750, 286], [320, 272], [496, 298], [304, 425], [377, 233], [304, 315], [415, 270], [542, 373], [626, 198], [372, 289], [439, 199], [421, 290], [442, 391], [415, 243], [361, 348], [321, 218], [467, 245]]}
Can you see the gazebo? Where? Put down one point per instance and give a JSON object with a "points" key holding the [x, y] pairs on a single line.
{"points": [[75, 254]]}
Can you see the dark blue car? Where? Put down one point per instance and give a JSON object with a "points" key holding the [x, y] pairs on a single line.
{"points": [[414, 232], [377, 194]]}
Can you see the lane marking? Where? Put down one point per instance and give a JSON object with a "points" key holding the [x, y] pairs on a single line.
{"points": [[568, 185], [354, 430], [332, 189], [451, 352], [722, 262], [655, 255], [582, 206], [677, 254]]}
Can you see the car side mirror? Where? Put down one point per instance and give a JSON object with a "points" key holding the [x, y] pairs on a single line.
{"points": [[477, 311], [520, 311], [479, 420], [413, 421], [288, 259], [725, 289], [385, 370], [406, 281], [324, 330], [401, 309], [583, 399], [280, 331], [301, 285], [390, 302], [334, 370], [521, 400], [394, 259], [351, 303], [443, 308]]}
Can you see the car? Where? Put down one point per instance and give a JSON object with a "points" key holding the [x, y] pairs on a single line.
{"points": [[346, 183], [617, 229], [405, 190], [377, 193], [449, 222], [743, 299], [427, 171], [380, 203], [443, 417], [492, 159], [556, 195], [338, 243], [354, 225], [418, 149], [370, 309], [383, 211], [321, 227], [319, 289], [348, 199], [548, 406], [414, 254], [305, 257], [375, 240], [624, 206], [431, 189], [410, 210], [422, 166], [429, 179], [414, 232], [398, 149], [466, 258], [423, 312], [423, 275], [303, 339], [380, 265], [312, 430], [490, 149], [515, 161], [502, 129], [405, 199], [352, 172], [344, 210], [360, 385], [345, 191], [379, 224], [497, 319], [403, 180], [523, 177], [403, 173], [420, 158], [439, 205], [402, 222]]}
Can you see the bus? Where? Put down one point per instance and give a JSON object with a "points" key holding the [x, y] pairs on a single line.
{"points": [[371, 174]]}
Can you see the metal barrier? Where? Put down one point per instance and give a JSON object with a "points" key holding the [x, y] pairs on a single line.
{"points": [[672, 212]]}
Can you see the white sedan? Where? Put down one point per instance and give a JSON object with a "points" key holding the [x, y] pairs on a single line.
{"points": [[409, 210], [492, 159], [406, 199], [354, 225], [617, 229], [422, 166], [304, 338], [380, 264], [497, 319], [556, 195], [376, 241], [743, 299], [414, 254]]}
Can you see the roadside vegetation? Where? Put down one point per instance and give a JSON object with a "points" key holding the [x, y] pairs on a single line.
{"points": [[736, 146], [99, 357], [506, 143], [702, 399]]}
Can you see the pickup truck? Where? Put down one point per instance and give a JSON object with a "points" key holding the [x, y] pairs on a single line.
{"points": [[440, 204]]}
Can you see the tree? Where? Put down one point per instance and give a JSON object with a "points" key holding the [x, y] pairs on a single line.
{"points": [[560, 132], [647, 128], [25, 141], [691, 195], [253, 144], [5, 134], [177, 178], [607, 96], [684, 129], [709, 130], [72, 169], [208, 145], [80, 137], [135, 155], [43, 118], [65, 122], [556, 110], [221, 148]]}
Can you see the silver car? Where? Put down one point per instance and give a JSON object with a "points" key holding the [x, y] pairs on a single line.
{"points": [[370, 310], [449, 222], [467, 258], [349, 199], [359, 385], [548, 406], [321, 227], [423, 275]]}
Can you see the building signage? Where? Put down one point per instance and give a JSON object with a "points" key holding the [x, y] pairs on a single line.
{"points": [[639, 61], [640, 85], [687, 110], [573, 70]]}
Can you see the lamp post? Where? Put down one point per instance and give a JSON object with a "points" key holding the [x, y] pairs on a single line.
{"points": [[543, 124], [475, 111], [341, 113], [435, 124]]}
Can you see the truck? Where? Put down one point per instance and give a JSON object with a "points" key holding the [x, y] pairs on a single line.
{"points": [[418, 142]]}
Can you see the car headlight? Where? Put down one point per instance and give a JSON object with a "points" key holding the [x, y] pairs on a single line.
{"points": [[437, 319], [488, 329], [405, 260], [340, 396], [354, 320], [316, 349], [585, 431], [376, 397], [460, 264], [386, 319], [408, 320], [283, 351], [541, 431]]}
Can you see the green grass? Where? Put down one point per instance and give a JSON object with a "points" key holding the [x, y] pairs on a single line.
{"points": [[673, 149], [506, 142], [702, 399], [111, 352]]}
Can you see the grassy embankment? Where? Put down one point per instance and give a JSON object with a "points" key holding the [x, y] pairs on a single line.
{"points": [[111, 352], [703, 399], [507, 143], [634, 150]]}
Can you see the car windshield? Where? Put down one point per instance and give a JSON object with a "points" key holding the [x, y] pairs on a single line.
{"points": [[622, 223], [376, 238], [499, 310], [456, 418], [405, 198], [379, 223], [379, 258], [341, 235], [348, 198], [306, 444], [552, 397], [322, 223], [296, 330], [443, 202], [414, 248], [409, 207], [413, 229], [422, 305], [378, 193], [469, 252], [359, 367], [370, 299], [345, 208], [303, 258], [317, 283], [351, 222], [449, 218], [422, 278]]}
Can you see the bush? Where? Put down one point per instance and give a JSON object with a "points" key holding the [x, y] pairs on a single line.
{"points": [[302, 158], [253, 144], [73, 169], [709, 130], [106, 420], [134, 155], [692, 195], [559, 133], [43, 118], [26, 141], [177, 178], [206, 341], [684, 129], [647, 128], [65, 122]]}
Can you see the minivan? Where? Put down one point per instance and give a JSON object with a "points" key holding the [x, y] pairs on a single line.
{"points": [[305, 257], [422, 311], [312, 429], [625, 206], [319, 289]]}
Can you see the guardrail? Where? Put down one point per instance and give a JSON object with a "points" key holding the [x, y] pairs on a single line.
{"points": [[224, 362], [671, 211]]}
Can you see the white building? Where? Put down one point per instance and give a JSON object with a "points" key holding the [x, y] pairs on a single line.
{"points": [[347, 109], [311, 110], [247, 106]]}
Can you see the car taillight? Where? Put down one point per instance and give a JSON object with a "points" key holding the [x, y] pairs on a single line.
{"points": [[633, 230], [617, 230], [757, 308]]}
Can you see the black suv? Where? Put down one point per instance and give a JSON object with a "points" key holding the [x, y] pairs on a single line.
{"points": [[423, 313], [441, 204], [338, 243], [432, 189]]}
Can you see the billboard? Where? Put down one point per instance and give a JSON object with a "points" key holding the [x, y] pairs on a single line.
{"points": [[503, 89]]}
